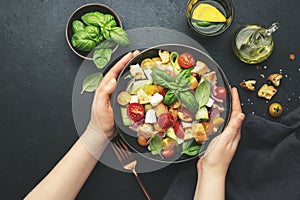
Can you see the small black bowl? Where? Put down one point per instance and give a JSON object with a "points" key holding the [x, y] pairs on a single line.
{"points": [[76, 15], [130, 136]]}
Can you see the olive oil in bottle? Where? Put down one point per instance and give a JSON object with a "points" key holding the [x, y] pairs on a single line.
{"points": [[253, 44]]}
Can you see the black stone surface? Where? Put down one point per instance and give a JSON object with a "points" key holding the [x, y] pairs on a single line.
{"points": [[38, 69]]}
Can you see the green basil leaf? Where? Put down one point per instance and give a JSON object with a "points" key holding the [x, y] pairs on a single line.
{"points": [[106, 19], [106, 34], [106, 44], [183, 79], [92, 31], [81, 40], [119, 36], [77, 26], [170, 97], [93, 18], [91, 82], [189, 100], [192, 151], [202, 93], [101, 57], [186, 144], [155, 144], [172, 86], [174, 61], [161, 77]]}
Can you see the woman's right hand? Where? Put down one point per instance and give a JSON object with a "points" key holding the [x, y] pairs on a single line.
{"points": [[222, 148]]}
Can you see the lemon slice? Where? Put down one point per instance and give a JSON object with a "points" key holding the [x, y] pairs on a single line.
{"points": [[208, 13]]}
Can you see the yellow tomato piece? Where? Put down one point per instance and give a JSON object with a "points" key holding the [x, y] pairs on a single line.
{"points": [[151, 89], [208, 13], [147, 63]]}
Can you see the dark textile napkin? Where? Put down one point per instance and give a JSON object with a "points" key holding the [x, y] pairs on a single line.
{"points": [[266, 165]]}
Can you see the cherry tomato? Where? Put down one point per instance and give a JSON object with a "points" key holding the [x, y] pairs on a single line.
{"points": [[165, 120], [275, 110], [186, 60], [168, 143], [167, 153], [142, 141], [178, 130], [193, 82], [135, 111], [124, 98], [221, 93]]}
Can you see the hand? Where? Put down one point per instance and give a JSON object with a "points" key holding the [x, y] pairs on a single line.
{"points": [[102, 121], [221, 150]]}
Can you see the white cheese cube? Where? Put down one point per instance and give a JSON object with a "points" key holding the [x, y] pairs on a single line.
{"points": [[156, 99], [210, 102], [150, 116], [134, 99]]}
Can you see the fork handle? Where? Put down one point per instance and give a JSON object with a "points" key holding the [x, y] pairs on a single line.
{"points": [[142, 185]]}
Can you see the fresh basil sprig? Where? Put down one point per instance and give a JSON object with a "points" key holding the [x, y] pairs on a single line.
{"points": [[202, 95], [178, 87]]}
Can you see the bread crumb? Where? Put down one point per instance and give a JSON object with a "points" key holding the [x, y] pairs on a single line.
{"points": [[248, 85], [275, 79], [267, 91]]}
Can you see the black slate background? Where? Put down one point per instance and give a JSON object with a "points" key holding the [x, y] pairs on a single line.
{"points": [[37, 71]]}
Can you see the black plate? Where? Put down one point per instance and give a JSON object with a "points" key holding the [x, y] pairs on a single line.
{"points": [[129, 135]]}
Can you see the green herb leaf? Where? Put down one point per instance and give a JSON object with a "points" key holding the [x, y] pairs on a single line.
{"points": [[106, 44], [192, 150], [183, 79], [186, 144], [119, 36], [161, 77], [203, 92], [77, 26], [82, 41], [93, 18], [93, 32], [170, 97], [204, 23], [101, 57], [155, 144], [189, 100], [91, 82]]}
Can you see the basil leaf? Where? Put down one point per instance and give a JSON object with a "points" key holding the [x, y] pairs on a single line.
{"points": [[77, 26], [192, 151], [119, 36], [81, 40], [183, 79], [161, 77], [107, 18], [155, 144], [170, 97], [101, 57], [186, 144], [93, 18], [172, 86], [189, 100], [106, 44], [91, 82], [92, 31], [202, 93]]}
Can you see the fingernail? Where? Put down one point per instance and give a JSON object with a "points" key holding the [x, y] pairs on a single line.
{"points": [[241, 116]]}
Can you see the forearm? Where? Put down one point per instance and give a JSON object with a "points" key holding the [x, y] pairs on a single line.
{"points": [[69, 175], [210, 186]]}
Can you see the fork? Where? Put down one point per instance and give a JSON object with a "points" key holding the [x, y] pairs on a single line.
{"points": [[128, 161]]}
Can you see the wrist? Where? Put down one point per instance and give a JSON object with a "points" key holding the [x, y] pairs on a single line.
{"points": [[94, 141]]}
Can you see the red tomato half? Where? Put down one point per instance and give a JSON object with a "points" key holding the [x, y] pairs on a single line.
{"points": [[165, 120], [186, 60], [221, 93], [135, 111]]}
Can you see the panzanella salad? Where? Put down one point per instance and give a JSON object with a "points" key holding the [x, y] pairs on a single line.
{"points": [[173, 102]]}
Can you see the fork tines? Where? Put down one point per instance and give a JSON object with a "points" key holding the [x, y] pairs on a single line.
{"points": [[122, 151]]}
